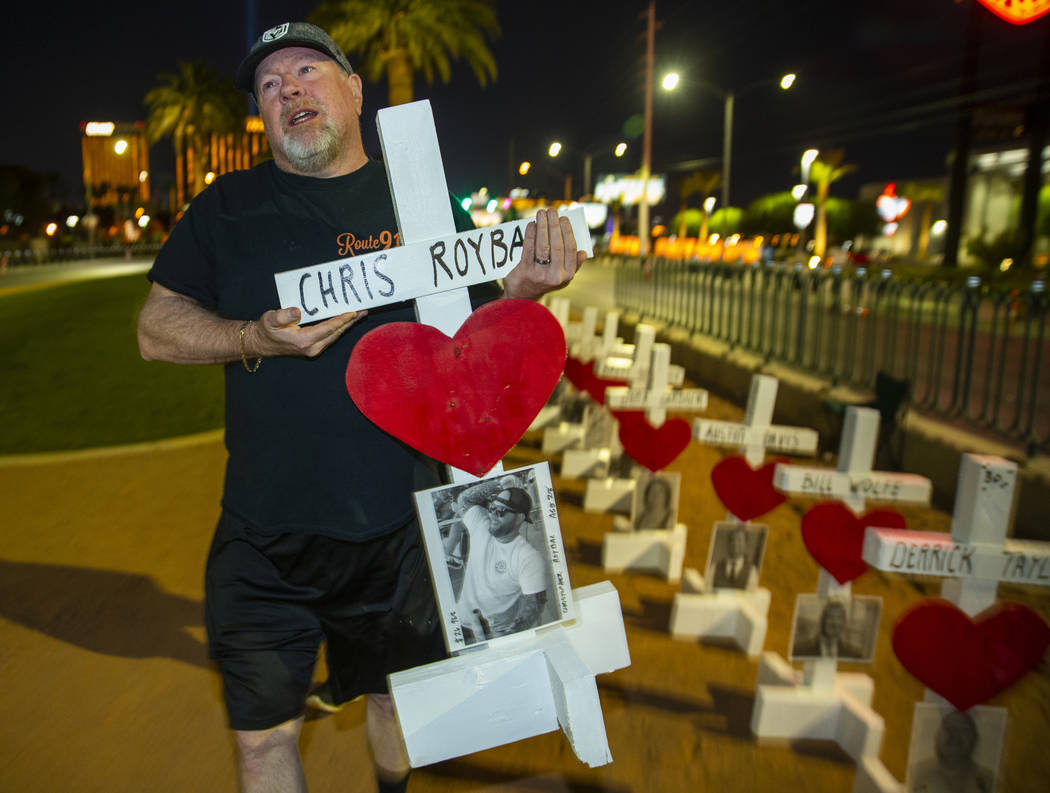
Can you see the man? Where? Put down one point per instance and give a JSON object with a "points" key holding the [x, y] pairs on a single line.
{"points": [[954, 770], [505, 580], [735, 570], [317, 538], [829, 643]]}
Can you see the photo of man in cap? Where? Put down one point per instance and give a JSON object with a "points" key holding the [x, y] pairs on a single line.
{"points": [[505, 580]]}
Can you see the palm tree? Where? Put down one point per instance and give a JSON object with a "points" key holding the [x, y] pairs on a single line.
{"points": [[702, 182], [188, 106], [824, 171], [397, 38], [927, 194]]}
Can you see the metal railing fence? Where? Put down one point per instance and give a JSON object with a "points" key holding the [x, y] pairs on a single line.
{"points": [[30, 255], [971, 354]]}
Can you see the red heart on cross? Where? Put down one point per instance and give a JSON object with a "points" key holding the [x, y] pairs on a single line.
{"points": [[464, 400], [583, 378], [746, 492], [653, 447], [834, 536], [1017, 13], [968, 661]]}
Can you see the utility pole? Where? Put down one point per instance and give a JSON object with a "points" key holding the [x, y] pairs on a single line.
{"points": [[963, 137], [647, 137]]}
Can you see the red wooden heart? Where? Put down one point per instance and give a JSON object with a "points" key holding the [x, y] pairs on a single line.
{"points": [[578, 373], [653, 447], [1017, 13], [582, 376], [969, 661], [464, 400], [834, 536], [745, 491]]}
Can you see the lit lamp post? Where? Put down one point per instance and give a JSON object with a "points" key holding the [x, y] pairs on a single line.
{"points": [[619, 151], [670, 82]]}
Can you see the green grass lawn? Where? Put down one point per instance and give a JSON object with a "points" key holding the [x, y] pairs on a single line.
{"points": [[72, 377]]}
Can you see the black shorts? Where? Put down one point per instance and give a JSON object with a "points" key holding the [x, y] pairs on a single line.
{"points": [[271, 599]]}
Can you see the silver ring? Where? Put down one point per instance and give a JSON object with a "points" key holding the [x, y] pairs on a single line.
{"points": [[538, 260]]}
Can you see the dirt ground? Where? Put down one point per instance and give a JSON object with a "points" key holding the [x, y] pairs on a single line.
{"points": [[107, 685]]}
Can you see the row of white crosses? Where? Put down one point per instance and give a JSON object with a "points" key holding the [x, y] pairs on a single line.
{"points": [[822, 703], [643, 548], [525, 684], [972, 560], [740, 615]]}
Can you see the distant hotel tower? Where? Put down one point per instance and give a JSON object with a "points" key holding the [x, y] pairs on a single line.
{"points": [[116, 162]]}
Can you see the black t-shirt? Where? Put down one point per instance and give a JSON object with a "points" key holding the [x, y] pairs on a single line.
{"points": [[302, 458]]}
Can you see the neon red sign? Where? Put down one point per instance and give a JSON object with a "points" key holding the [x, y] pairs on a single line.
{"points": [[1017, 12]]}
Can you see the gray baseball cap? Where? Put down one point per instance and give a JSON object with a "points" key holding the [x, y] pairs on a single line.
{"points": [[290, 34]]}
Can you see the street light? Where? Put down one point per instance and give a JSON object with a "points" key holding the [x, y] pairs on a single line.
{"points": [[619, 151], [808, 156], [728, 98]]}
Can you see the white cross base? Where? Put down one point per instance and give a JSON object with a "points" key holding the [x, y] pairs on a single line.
{"points": [[645, 550], [786, 708], [561, 437], [576, 463], [972, 560], [611, 494], [446, 709], [734, 614], [548, 415], [515, 690]]}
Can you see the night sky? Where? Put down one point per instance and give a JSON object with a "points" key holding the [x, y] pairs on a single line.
{"points": [[877, 79]]}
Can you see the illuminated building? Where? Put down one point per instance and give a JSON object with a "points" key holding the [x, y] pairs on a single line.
{"points": [[115, 160], [233, 151]]}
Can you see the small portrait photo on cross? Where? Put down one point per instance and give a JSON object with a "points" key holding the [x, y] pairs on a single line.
{"points": [[735, 557], [496, 555], [655, 501], [955, 751], [840, 627]]}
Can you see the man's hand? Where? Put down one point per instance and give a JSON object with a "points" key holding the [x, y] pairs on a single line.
{"points": [[278, 333], [549, 258]]}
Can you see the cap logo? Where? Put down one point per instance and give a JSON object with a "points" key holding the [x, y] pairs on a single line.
{"points": [[275, 33]]}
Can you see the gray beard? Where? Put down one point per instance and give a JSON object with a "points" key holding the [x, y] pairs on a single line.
{"points": [[314, 154]]}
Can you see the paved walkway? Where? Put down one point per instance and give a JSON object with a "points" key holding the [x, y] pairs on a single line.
{"points": [[107, 686]]}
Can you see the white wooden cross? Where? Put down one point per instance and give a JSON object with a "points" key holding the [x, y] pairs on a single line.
{"points": [[589, 346], [464, 704], [658, 395], [631, 362], [654, 400], [614, 494], [739, 615], [821, 703], [972, 560]]}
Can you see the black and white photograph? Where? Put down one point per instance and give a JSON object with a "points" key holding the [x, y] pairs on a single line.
{"points": [[655, 501], [735, 557], [570, 402], [835, 627], [955, 751], [600, 428], [496, 555]]}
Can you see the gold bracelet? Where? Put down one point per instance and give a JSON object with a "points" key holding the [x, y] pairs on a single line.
{"points": [[244, 358]]}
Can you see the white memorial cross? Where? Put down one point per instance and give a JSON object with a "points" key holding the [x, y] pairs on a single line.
{"points": [[659, 395], [972, 559], [589, 347], [447, 709], [631, 362], [737, 614], [822, 704]]}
